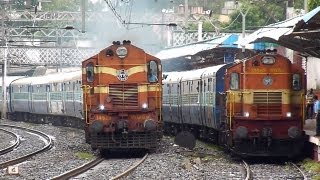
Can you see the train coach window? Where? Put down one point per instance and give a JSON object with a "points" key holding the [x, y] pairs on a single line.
{"points": [[90, 72], [296, 82], [209, 84], [234, 81]]}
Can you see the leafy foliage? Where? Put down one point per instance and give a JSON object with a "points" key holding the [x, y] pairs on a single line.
{"points": [[258, 14], [312, 4]]}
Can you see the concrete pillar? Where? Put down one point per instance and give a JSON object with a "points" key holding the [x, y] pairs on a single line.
{"points": [[200, 31]]}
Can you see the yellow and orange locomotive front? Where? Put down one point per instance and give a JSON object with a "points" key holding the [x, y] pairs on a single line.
{"points": [[122, 96], [265, 106]]}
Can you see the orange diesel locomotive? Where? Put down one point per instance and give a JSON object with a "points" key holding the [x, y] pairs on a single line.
{"points": [[122, 96], [265, 106]]}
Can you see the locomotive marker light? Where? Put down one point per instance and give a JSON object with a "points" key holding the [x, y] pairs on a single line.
{"points": [[288, 114], [101, 107], [144, 106], [121, 52]]}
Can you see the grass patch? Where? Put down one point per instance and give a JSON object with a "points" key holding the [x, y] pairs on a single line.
{"points": [[84, 155], [311, 165]]}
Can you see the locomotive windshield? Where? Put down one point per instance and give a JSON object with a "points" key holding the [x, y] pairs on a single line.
{"points": [[90, 72], [296, 82], [152, 72], [234, 82]]}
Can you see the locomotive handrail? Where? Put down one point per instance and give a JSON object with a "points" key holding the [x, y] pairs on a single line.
{"points": [[160, 98], [85, 87], [303, 107], [231, 106]]}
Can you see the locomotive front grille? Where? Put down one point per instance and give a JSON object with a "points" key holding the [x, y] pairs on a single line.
{"points": [[124, 95], [268, 103]]}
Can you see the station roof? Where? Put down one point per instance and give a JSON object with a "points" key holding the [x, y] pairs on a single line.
{"points": [[301, 34], [194, 48]]}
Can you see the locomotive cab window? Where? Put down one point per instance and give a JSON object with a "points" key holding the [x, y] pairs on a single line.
{"points": [[234, 81], [90, 72], [152, 71], [296, 82]]}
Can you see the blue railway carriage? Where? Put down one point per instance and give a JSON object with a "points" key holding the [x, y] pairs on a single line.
{"points": [[55, 98], [194, 101], [9, 79]]}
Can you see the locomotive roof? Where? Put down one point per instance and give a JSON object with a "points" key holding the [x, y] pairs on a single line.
{"points": [[50, 78], [191, 75]]}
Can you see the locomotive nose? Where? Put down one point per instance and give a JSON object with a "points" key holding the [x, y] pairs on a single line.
{"points": [[96, 126]]}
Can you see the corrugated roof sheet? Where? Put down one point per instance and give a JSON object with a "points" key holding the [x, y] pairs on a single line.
{"points": [[191, 49], [301, 34]]}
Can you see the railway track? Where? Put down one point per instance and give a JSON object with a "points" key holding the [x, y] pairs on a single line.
{"points": [[125, 173], [81, 170], [247, 171], [13, 145], [300, 171], [280, 170], [48, 145]]}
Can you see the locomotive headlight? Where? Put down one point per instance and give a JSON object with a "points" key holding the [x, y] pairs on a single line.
{"points": [[246, 114], [288, 114], [144, 106], [121, 52], [101, 107]]}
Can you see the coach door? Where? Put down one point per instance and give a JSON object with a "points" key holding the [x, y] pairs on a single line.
{"points": [[56, 103], [195, 102], [185, 105]]}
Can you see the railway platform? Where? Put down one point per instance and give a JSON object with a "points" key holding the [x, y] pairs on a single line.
{"points": [[310, 130]]}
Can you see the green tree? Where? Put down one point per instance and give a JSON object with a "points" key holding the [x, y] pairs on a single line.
{"points": [[260, 13], [312, 4]]}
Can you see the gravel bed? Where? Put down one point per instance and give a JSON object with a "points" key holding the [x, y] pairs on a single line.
{"points": [[6, 140], [62, 157], [168, 162], [276, 172]]}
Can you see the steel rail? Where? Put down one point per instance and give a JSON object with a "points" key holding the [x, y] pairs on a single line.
{"points": [[14, 145], [248, 174], [79, 170], [125, 173], [304, 176], [25, 157]]}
